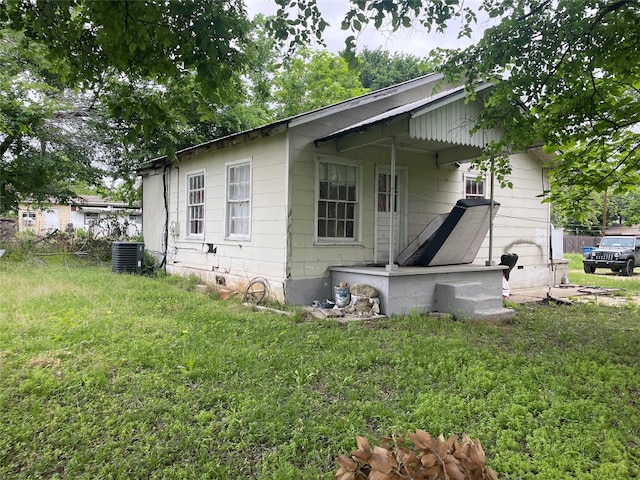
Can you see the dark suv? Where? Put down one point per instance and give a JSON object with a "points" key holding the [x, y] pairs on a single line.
{"points": [[619, 253]]}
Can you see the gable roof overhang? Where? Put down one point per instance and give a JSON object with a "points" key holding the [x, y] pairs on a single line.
{"points": [[300, 119], [441, 125]]}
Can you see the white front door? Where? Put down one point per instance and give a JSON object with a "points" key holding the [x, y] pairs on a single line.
{"points": [[50, 219], [383, 213]]}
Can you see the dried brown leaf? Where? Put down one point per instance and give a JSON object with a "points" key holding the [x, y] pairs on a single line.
{"points": [[363, 444], [363, 452], [346, 463], [345, 476], [462, 451], [421, 439], [429, 459], [375, 475], [407, 457], [450, 458], [453, 471], [380, 463], [442, 448], [434, 472], [477, 453]]}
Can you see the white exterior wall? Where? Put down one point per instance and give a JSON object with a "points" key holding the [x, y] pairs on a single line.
{"points": [[235, 262], [522, 223]]}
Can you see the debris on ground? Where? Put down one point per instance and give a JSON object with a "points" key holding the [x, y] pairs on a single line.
{"points": [[364, 303]]}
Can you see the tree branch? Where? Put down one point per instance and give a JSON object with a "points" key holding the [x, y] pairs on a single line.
{"points": [[539, 8], [612, 8]]}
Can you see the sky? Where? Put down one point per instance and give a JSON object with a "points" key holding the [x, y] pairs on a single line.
{"points": [[415, 41]]}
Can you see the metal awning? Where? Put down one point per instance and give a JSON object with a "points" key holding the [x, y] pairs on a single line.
{"points": [[441, 124]]}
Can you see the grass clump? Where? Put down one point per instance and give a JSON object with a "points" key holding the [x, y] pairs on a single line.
{"points": [[123, 376]]}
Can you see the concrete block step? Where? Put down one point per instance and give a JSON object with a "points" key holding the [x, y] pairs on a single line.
{"points": [[463, 300], [479, 302]]}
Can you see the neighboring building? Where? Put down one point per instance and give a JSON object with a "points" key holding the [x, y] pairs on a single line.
{"points": [[90, 213], [307, 202], [623, 230]]}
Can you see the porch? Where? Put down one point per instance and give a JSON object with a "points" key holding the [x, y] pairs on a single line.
{"points": [[470, 291]]}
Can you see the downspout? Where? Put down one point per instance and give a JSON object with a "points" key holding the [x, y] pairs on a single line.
{"points": [[392, 207], [163, 264]]}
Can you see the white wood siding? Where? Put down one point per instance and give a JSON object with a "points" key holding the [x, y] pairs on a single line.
{"points": [[263, 255]]}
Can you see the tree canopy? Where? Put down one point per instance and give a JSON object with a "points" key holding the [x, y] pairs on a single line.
{"points": [[380, 68], [313, 80], [564, 72], [41, 149]]}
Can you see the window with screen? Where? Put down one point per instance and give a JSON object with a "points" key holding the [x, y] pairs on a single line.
{"points": [[337, 201], [474, 186], [239, 200], [195, 204]]}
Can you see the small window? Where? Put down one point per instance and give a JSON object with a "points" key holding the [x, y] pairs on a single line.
{"points": [[195, 204], [29, 218], [337, 201], [474, 186], [135, 218], [91, 218], [239, 200]]}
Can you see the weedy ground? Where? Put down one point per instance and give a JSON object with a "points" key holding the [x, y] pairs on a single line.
{"points": [[108, 375]]}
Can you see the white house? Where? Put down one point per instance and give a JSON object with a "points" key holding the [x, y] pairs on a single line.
{"points": [[90, 213], [306, 203]]}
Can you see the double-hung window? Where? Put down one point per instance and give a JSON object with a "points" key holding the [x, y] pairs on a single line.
{"points": [[239, 200], [195, 204], [91, 218], [474, 185], [337, 208]]}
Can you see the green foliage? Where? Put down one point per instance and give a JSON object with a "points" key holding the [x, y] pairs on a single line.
{"points": [[561, 78], [107, 375], [168, 74], [40, 155], [621, 210], [564, 65], [155, 40], [380, 68], [312, 80], [111, 84]]}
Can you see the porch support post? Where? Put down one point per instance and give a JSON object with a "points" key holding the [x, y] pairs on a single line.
{"points": [[392, 207], [490, 261]]}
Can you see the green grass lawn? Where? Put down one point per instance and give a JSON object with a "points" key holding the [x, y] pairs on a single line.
{"points": [[120, 376]]}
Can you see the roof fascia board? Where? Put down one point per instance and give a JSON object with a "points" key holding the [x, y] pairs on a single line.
{"points": [[372, 134]]}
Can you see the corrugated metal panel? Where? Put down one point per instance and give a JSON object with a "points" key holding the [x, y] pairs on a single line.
{"points": [[451, 123]]}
